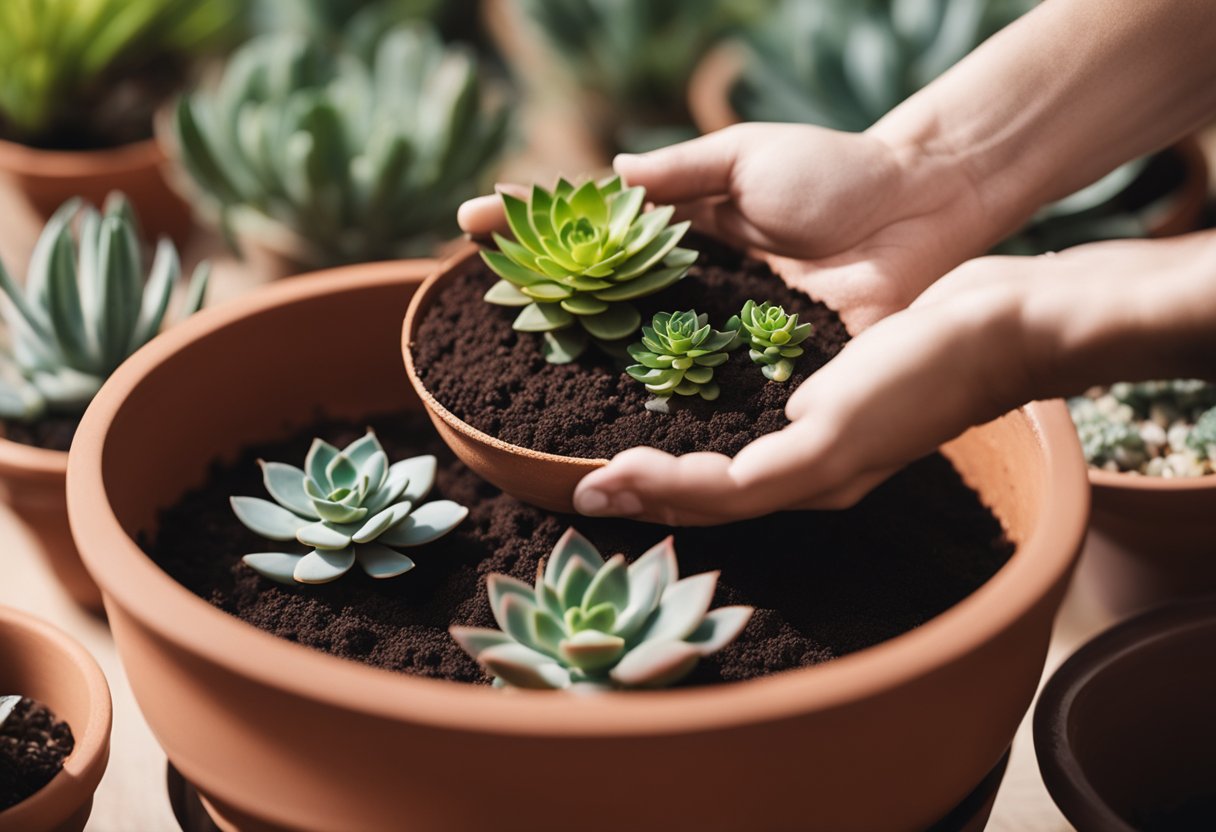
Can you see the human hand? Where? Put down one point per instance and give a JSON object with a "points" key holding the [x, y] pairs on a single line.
{"points": [[991, 335]]}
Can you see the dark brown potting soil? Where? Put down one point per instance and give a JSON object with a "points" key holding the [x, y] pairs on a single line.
{"points": [[497, 380], [33, 746], [823, 584], [54, 433]]}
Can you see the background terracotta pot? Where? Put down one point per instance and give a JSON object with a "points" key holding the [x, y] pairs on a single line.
{"points": [[32, 483], [1150, 541], [49, 178], [277, 736], [1125, 728], [38, 661]]}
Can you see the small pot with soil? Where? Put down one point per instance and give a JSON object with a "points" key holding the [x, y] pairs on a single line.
{"points": [[54, 727], [1124, 731], [78, 316], [878, 643], [1151, 449]]}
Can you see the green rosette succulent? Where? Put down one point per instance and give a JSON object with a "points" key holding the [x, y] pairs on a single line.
{"points": [[773, 337], [678, 353], [348, 505], [605, 623], [579, 256], [85, 308]]}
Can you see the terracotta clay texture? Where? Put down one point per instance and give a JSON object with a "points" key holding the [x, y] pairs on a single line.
{"points": [[49, 178], [1150, 541], [887, 738], [38, 661], [1124, 730]]}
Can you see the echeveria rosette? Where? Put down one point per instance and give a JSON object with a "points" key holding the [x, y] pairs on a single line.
{"points": [[85, 308], [579, 256], [678, 353], [773, 337], [603, 623], [349, 505]]}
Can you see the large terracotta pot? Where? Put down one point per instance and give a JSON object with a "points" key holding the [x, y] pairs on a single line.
{"points": [[710, 104], [38, 661], [1150, 541], [278, 736], [49, 178], [1124, 730], [32, 484]]}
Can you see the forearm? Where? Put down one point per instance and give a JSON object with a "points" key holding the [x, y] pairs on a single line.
{"points": [[1061, 97]]}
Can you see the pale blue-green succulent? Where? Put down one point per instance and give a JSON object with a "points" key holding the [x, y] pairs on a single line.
{"points": [[601, 623], [353, 158], [678, 353], [84, 309], [773, 337], [348, 505], [580, 255]]}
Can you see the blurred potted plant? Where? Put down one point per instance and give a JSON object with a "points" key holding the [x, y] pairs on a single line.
{"points": [[845, 65], [55, 716], [81, 84], [310, 156], [364, 21], [1151, 448], [614, 72], [83, 309]]}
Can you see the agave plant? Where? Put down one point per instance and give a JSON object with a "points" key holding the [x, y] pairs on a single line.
{"points": [[603, 623], [358, 161], [773, 337], [85, 308], [678, 353], [68, 66], [348, 505], [579, 256]]}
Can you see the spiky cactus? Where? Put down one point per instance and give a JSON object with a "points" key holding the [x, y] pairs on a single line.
{"points": [[603, 623]]}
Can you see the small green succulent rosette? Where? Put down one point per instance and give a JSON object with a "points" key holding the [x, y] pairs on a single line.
{"points": [[579, 256], [678, 353], [591, 622], [85, 308], [773, 337], [349, 505]]}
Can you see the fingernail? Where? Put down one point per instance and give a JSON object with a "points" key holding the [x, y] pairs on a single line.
{"points": [[627, 504], [590, 501]]}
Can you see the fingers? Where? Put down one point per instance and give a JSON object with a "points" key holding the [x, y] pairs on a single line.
{"points": [[483, 214], [686, 171]]}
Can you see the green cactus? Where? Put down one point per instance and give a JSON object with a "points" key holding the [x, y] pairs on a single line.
{"points": [[579, 256], [773, 337], [85, 308], [678, 353], [358, 161], [68, 67], [603, 623], [348, 505]]}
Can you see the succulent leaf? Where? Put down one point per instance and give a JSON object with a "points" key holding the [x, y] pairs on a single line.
{"points": [[579, 254], [677, 354], [275, 566], [594, 622], [347, 502], [772, 336]]}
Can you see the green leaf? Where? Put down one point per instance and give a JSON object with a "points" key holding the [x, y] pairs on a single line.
{"points": [[504, 293], [542, 317], [647, 284], [584, 305], [624, 210], [321, 567], [476, 639], [326, 535], [63, 302], [647, 258], [587, 201], [561, 346], [427, 523], [265, 518], [519, 219], [286, 485], [381, 562], [509, 270], [610, 585], [592, 650], [619, 321], [377, 524], [548, 292], [683, 607], [522, 667], [165, 272], [655, 664], [276, 566], [121, 289], [719, 628]]}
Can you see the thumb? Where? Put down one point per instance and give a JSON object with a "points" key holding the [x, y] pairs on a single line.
{"points": [[686, 171]]}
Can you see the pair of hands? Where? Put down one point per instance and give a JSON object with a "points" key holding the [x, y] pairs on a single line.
{"points": [[868, 229]]}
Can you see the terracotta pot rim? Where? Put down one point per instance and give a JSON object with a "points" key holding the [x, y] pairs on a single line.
{"points": [[20, 460], [1062, 772], [83, 768], [133, 582], [73, 164], [1120, 481]]}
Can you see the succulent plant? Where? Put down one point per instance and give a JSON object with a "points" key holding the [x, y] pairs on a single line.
{"points": [[773, 337], [678, 353], [68, 67], [7, 704], [1202, 438], [603, 623], [348, 505], [85, 308], [354, 160], [579, 256]]}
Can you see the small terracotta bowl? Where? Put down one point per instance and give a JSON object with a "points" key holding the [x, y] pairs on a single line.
{"points": [[1125, 731], [544, 480], [39, 661]]}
